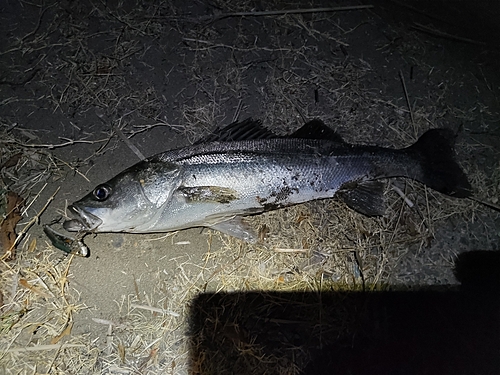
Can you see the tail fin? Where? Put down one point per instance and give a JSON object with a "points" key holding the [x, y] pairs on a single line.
{"points": [[440, 171]]}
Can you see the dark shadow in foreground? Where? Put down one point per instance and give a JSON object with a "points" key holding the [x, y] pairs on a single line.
{"points": [[450, 331]]}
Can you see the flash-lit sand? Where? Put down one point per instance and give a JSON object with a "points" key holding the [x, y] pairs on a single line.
{"points": [[166, 75]]}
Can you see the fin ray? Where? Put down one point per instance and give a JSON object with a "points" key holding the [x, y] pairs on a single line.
{"points": [[366, 197], [435, 152], [245, 130], [236, 227]]}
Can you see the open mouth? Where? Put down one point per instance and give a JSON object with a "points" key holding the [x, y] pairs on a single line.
{"points": [[82, 221]]}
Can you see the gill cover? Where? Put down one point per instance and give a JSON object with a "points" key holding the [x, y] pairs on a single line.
{"points": [[158, 179]]}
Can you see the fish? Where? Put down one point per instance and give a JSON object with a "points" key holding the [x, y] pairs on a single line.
{"points": [[245, 169]]}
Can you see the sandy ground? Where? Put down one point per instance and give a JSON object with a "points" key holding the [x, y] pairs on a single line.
{"points": [[168, 73]]}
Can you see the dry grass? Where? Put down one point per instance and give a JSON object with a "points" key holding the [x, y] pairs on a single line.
{"points": [[316, 247]]}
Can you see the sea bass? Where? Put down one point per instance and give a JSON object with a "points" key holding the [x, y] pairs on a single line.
{"points": [[244, 169]]}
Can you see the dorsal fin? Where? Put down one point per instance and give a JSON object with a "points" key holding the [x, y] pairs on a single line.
{"points": [[250, 129], [316, 129], [245, 130]]}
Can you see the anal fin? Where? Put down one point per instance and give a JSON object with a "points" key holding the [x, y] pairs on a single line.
{"points": [[366, 197], [236, 227]]}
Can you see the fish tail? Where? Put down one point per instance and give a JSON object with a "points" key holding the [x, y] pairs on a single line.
{"points": [[439, 170]]}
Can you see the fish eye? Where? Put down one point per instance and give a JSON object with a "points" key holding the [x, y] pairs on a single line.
{"points": [[101, 193]]}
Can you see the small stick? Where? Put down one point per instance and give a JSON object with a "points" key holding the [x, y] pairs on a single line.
{"points": [[425, 29], [238, 110], [359, 265], [293, 11], [73, 168], [69, 142], [407, 98], [35, 290], [402, 195], [104, 321], [109, 323], [183, 243], [153, 309], [44, 347], [487, 204], [288, 250], [130, 145], [37, 25]]}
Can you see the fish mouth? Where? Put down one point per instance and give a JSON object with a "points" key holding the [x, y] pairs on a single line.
{"points": [[82, 220]]}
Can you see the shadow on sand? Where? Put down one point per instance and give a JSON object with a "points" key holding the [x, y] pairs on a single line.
{"points": [[448, 330]]}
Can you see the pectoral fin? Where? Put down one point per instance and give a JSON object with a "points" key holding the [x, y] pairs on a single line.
{"points": [[366, 197], [212, 194], [236, 227]]}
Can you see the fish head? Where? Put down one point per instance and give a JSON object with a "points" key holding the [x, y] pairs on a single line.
{"points": [[129, 201]]}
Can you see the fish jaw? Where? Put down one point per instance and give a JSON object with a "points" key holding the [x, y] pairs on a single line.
{"points": [[82, 220]]}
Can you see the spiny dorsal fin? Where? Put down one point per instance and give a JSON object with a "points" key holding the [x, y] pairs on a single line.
{"points": [[245, 130], [316, 129]]}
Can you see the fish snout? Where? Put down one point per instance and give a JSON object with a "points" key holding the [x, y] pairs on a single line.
{"points": [[82, 220]]}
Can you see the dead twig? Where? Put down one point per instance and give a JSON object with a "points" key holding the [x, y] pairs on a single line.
{"points": [[293, 11], [402, 195], [407, 99], [284, 250], [129, 144], [44, 347], [493, 206], [442, 34], [50, 146]]}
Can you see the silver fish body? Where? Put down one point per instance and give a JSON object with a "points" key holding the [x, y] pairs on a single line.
{"points": [[213, 184]]}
